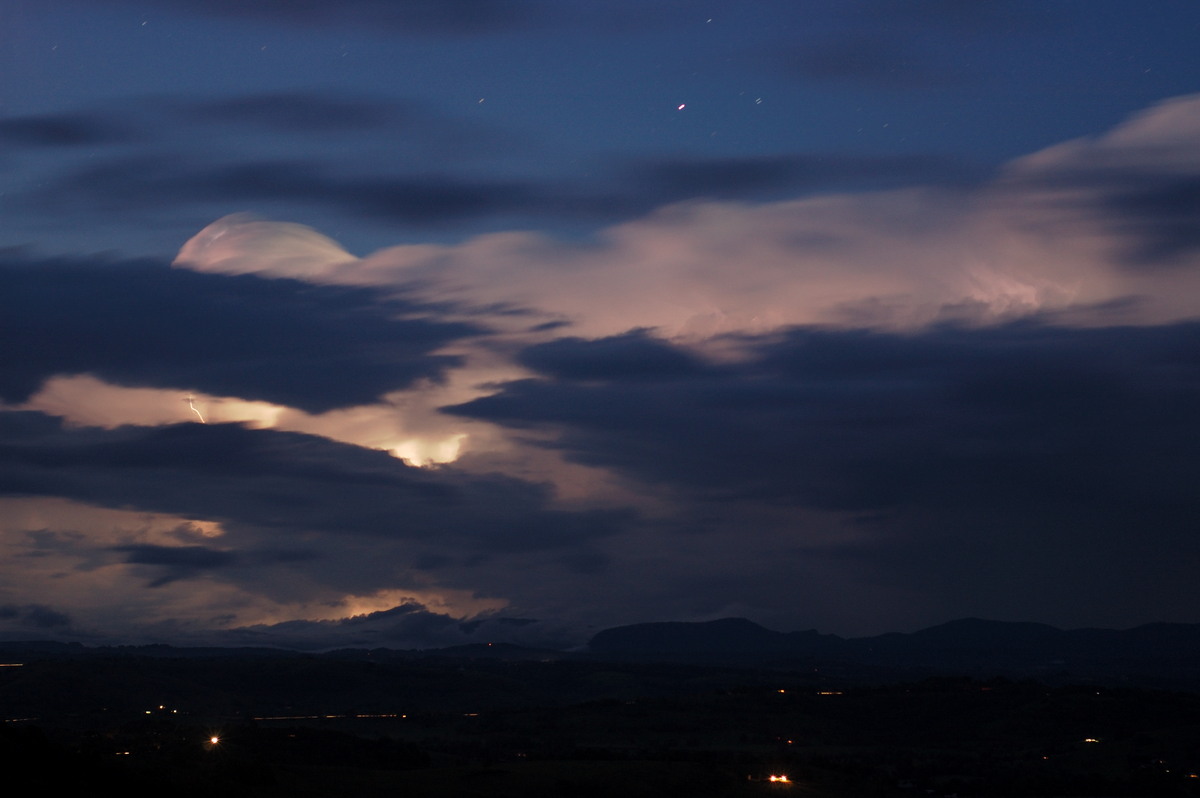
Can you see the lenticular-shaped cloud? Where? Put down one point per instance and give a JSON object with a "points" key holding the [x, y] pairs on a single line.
{"points": [[242, 244]]}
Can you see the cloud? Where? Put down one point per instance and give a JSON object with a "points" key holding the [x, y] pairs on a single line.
{"points": [[183, 562], [182, 557], [833, 418], [897, 259], [399, 130], [32, 617], [299, 112], [1161, 218], [363, 156], [284, 481], [400, 162], [1026, 451], [243, 244], [750, 177], [279, 525], [144, 182], [144, 324], [920, 393], [129, 575], [909, 400], [913, 45], [177, 562], [633, 356], [1075, 228], [1138, 184], [61, 130]]}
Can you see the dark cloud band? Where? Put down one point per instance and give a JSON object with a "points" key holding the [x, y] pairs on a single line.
{"points": [[145, 324]]}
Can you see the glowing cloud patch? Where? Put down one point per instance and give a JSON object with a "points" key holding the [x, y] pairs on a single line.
{"points": [[242, 244]]}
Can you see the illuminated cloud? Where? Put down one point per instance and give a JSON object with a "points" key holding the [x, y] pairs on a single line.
{"points": [[1054, 232], [905, 361], [139, 576], [905, 399], [61, 561], [1133, 193], [406, 424], [241, 244], [265, 530]]}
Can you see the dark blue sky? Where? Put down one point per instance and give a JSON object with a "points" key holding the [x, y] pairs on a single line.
{"points": [[858, 315], [384, 122]]}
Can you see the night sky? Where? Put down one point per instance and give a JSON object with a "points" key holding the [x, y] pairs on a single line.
{"points": [[411, 323]]}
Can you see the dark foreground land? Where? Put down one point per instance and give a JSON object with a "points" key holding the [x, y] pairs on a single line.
{"points": [[374, 724]]}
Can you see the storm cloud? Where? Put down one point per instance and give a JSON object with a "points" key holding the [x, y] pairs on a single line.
{"points": [[281, 480], [145, 324], [432, 320], [1037, 455]]}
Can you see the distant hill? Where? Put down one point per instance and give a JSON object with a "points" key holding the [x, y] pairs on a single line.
{"points": [[1165, 654], [1155, 655], [730, 640]]}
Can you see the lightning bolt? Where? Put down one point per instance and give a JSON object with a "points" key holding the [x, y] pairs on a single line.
{"points": [[191, 402]]}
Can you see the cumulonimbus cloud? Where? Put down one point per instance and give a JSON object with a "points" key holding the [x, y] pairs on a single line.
{"points": [[904, 396]]}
